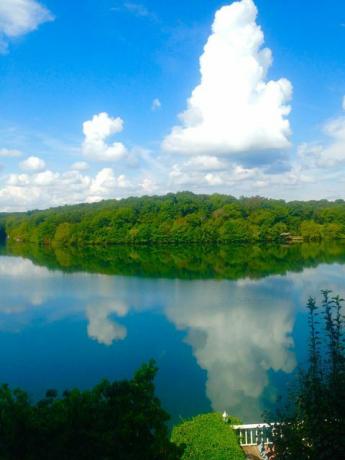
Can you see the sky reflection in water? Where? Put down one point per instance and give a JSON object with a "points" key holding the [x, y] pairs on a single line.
{"points": [[219, 343]]}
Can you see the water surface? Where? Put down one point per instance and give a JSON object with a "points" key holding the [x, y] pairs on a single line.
{"points": [[226, 325]]}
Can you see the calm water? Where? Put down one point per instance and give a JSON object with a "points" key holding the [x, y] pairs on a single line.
{"points": [[227, 326]]}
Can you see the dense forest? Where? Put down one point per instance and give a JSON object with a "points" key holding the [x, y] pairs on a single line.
{"points": [[178, 218]]}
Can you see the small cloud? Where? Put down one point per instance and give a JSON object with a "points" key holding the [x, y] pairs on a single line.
{"points": [[80, 166], [148, 185], [19, 17], [105, 184], [96, 132], [213, 179], [205, 163], [137, 9], [329, 153], [45, 178], [9, 153], [33, 164], [156, 104]]}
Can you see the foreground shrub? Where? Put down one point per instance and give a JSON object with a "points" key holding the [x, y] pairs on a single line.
{"points": [[313, 424], [119, 420], [207, 437]]}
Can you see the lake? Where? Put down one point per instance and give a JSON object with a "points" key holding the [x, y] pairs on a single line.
{"points": [[226, 325]]}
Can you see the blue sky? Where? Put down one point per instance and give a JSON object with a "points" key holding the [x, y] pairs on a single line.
{"points": [[91, 92]]}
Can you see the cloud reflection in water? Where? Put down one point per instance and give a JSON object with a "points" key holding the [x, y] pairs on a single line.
{"points": [[239, 331]]}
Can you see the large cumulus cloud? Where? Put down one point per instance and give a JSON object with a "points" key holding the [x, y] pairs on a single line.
{"points": [[234, 108]]}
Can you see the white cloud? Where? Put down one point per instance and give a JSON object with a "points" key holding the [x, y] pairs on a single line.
{"points": [[234, 109], [137, 9], [19, 17], [45, 178], [205, 163], [96, 132], [9, 153], [33, 163], [148, 185], [329, 153], [80, 166], [192, 173], [106, 185], [213, 179], [43, 189], [156, 104]]}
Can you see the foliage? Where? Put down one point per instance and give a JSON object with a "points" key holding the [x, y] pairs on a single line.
{"points": [[178, 218], [119, 420], [184, 262], [313, 426], [207, 437]]}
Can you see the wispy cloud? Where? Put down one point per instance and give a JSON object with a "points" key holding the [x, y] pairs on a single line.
{"points": [[137, 9], [9, 153], [156, 104]]}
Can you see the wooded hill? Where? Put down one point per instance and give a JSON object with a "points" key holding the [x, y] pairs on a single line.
{"points": [[178, 218]]}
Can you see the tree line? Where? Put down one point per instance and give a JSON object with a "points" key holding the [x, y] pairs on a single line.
{"points": [[178, 218]]}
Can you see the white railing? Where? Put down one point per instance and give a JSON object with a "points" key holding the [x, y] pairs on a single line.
{"points": [[254, 434]]}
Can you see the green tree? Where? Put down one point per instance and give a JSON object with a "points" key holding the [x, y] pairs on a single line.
{"points": [[312, 425], [178, 218], [119, 420], [207, 437], [63, 234], [332, 231], [311, 231]]}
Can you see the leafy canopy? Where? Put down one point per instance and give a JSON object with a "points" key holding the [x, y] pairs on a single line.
{"points": [[207, 437], [118, 420], [178, 218]]}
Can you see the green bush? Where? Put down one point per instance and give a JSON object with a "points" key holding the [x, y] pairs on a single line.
{"points": [[207, 437]]}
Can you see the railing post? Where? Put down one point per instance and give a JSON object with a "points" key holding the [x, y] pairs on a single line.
{"points": [[254, 434]]}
